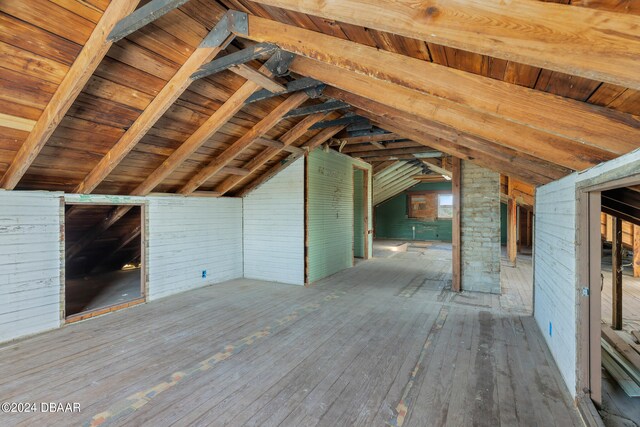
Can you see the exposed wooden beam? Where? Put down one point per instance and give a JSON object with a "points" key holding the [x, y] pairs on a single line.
{"points": [[435, 168], [218, 119], [323, 136], [390, 152], [346, 120], [235, 171], [319, 108], [257, 131], [616, 275], [562, 117], [236, 58], [448, 140], [83, 67], [456, 173], [279, 145], [589, 43], [141, 17], [371, 138], [636, 251], [378, 145], [304, 83], [160, 104], [259, 78], [355, 148], [430, 178], [559, 150], [267, 154], [512, 230], [313, 143]]}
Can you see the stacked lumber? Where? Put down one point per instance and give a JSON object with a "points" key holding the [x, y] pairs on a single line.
{"points": [[622, 360]]}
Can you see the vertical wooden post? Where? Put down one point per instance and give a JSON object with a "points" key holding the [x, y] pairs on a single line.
{"points": [[529, 228], [636, 251], [512, 230], [456, 279], [616, 274]]}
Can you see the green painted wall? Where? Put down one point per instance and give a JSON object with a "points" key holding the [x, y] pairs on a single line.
{"points": [[503, 223], [330, 212], [358, 213], [392, 220]]}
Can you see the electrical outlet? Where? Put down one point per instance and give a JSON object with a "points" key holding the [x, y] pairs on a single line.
{"points": [[204, 274]]}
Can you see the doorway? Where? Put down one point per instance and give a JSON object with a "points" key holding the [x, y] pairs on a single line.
{"points": [[610, 322], [360, 213], [104, 259]]}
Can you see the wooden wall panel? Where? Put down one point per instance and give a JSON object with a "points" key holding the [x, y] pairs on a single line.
{"points": [[30, 253]]}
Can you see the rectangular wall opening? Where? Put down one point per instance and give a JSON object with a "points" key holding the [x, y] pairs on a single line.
{"points": [[104, 265]]}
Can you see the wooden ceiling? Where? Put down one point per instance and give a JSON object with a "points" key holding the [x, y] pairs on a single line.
{"points": [[124, 133]]}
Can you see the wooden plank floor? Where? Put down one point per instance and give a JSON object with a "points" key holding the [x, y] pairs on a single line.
{"points": [[383, 343]]}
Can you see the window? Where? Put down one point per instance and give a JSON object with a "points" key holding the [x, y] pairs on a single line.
{"points": [[430, 205], [445, 206]]}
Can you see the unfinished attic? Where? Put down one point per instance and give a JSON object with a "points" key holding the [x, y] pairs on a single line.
{"points": [[341, 212]]}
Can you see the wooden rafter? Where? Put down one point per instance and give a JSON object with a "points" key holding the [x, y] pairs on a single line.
{"points": [[568, 153], [244, 142], [459, 93], [257, 77], [201, 135], [594, 44], [369, 138], [160, 104], [267, 154], [141, 17], [390, 152], [83, 67], [453, 142], [319, 139]]}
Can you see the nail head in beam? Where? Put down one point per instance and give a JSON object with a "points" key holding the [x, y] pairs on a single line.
{"points": [[293, 86], [320, 108], [141, 17], [241, 57], [238, 22]]}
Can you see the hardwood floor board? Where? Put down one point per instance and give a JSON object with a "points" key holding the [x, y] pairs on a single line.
{"points": [[191, 393], [348, 377], [549, 377], [117, 345], [340, 352], [293, 388], [115, 379], [241, 394], [375, 399], [354, 403], [430, 399], [504, 377]]}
